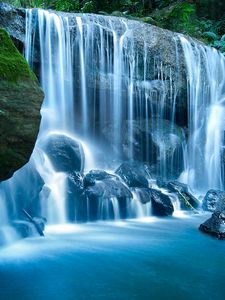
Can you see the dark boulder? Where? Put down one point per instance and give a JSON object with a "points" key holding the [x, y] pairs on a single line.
{"points": [[96, 175], [215, 225], [161, 204], [107, 198], [134, 174], [107, 189], [187, 200], [65, 153], [211, 199]]}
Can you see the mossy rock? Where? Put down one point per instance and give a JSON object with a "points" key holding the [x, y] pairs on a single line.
{"points": [[20, 103], [13, 67]]}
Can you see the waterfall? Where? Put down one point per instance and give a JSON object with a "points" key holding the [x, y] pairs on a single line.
{"points": [[117, 96], [206, 109]]}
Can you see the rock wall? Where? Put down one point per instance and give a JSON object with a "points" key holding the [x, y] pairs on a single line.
{"points": [[20, 103]]}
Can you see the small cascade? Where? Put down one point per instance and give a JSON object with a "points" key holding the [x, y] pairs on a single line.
{"points": [[206, 107], [137, 209]]}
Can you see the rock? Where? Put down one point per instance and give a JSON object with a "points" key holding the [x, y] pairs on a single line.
{"points": [[108, 189], [161, 183], [13, 21], [96, 175], [65, 153], [134, 174], [76, 206], [144, 195], [215, 225], [20, 103], [24, 228], [187, 200], [211, 199], [161, 204], [107, 198]]}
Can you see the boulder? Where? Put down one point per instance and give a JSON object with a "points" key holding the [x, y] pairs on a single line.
{"points": [[187, 200], [108, 189], [161, 204], [215, 225], [211, 199], [134, 174], [65, 153], [96, 175], [20, 103], [106, 198]]}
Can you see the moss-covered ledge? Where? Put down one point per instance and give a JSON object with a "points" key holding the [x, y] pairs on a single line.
{"points": [[20, 103]]}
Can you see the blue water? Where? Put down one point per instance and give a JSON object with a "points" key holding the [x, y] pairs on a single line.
{"points": [[151, 259]]}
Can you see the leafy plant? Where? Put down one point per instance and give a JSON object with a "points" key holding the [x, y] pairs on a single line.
{"points": [[67, 5], [183, 12]]}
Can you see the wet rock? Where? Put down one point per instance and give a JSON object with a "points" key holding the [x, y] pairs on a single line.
{"points": [[20, 103], [144, 194], [161, 204], [107, 189], [24, 228], [76, 206], [107, 198], [211, 199], [187, 200], [65, 153], [215, 225], [96, 175], [134, 174]]}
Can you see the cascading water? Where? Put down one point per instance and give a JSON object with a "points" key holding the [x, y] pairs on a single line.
{"points": [[97, 90], [118, 98], [206, 88]]}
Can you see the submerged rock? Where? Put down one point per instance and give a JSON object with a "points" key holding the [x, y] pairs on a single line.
{"points": [[65, 153], [161, 204], [134, 174], [20, 103], [211, 199]]}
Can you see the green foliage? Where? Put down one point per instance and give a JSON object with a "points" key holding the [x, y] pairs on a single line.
{"points": [[211, 36], [182, 13], [67, 5], [89, 7], [13, 66]]}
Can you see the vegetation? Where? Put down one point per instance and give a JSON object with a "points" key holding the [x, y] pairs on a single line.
{"points": [[13, 66], [202, 19]]}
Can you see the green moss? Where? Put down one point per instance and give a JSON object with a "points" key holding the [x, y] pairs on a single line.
{"points": [[13, 67]]}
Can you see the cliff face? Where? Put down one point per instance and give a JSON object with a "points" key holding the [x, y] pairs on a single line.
{"points": [[20, 103]]}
